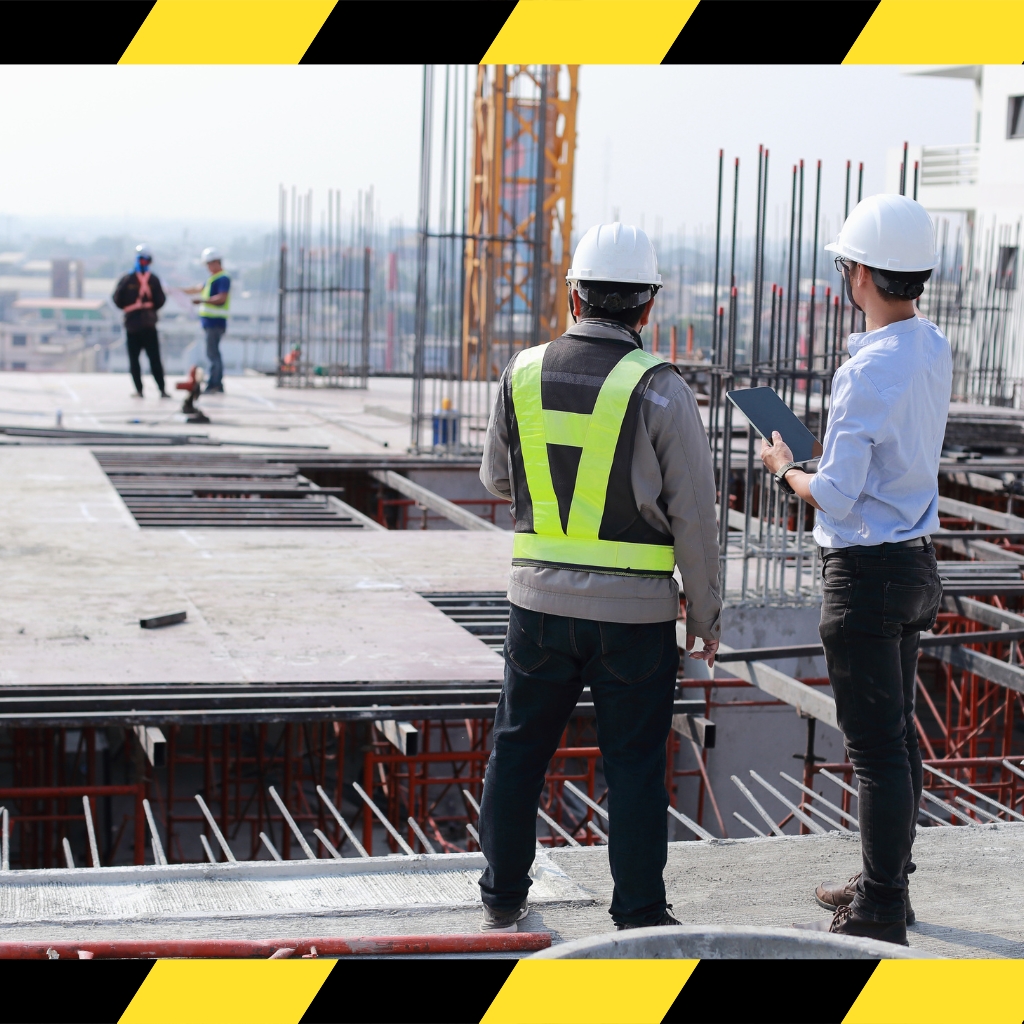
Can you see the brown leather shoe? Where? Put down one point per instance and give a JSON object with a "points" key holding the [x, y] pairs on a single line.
{"points": [[833, 895]]}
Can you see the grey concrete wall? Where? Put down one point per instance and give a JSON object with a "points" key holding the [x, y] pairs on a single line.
{"points": [[763, 738]]}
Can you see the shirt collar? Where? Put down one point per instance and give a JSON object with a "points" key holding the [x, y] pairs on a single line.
{"points": [[604, 330], [862, 340]]}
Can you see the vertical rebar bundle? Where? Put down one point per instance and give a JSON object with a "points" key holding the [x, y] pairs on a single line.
{"points": [[975, 299], [497, 152], [324, 285]]}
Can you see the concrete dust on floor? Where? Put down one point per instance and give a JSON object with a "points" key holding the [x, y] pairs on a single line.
{"points": [[967, 893]]}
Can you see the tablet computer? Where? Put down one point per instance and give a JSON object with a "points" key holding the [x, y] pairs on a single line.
{"points": [[768, 412]]}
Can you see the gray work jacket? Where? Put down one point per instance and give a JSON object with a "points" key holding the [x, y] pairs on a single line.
{"points": [[674, 485]]}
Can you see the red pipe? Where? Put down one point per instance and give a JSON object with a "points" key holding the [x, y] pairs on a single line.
{"points": [[232, 949]]}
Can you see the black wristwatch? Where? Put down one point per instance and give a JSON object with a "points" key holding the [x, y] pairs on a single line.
{"points": [[780, 477]]}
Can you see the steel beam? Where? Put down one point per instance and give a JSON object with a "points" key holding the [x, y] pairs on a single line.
{"points": [[433, 501]]}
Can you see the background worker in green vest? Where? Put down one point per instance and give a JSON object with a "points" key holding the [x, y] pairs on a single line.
{"points": [[602, 450], [214, 303]]}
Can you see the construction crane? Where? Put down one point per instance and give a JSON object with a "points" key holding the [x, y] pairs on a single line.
{"points": [[519, 212]]}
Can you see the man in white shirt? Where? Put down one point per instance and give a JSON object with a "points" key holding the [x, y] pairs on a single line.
{"points": [[876, 492]]}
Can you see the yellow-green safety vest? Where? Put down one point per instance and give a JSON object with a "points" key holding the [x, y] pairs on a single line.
{"points": [[579, 545], [206, 308]]}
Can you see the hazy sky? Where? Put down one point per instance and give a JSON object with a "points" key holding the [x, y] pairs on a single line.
{"points": [[131, 146]]}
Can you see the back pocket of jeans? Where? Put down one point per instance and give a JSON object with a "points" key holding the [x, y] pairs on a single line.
{"points": [[524, 639], [909, 606], [631, 652]]}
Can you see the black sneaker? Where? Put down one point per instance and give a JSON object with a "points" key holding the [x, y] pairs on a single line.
{"points": [[504, 921], [664, 921], [844, 923]]}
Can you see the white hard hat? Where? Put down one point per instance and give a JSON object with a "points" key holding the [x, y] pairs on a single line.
{"points": [[210, 253], [614, 252], [891, 233], [144, 252]]}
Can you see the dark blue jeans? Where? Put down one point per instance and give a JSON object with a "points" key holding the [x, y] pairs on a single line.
{"points": [[213, 336], [875, 602], [631, 672]]}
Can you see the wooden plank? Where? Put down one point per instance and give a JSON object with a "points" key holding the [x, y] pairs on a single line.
{"points": [[984, 665], [986, 614], [983, 550], [977, 514]]}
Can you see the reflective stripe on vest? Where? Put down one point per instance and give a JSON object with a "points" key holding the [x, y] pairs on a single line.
{"points": [[597, 434], [145, 292], [207, 308]]}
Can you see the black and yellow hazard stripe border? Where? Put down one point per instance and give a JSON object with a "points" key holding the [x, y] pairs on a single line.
{"points": [[510, 32], [506, 31], [460, 991]]}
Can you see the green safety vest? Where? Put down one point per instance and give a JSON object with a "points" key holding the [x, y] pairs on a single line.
{"points": [[207, 309], [579, 546]]}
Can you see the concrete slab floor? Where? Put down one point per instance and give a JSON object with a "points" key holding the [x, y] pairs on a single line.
{"points": [[263, 605], [967, 892], [252, 410]]}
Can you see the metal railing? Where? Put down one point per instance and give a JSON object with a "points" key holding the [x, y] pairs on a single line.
{"points": [[949, 165]]}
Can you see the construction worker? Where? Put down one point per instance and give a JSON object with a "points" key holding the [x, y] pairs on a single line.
{"points": [[139, 295], [214, 301], [876, 492], [601, 448]]}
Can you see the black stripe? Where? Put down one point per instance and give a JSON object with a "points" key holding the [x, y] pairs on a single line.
{"points": [[69, 31], [408, 31], [776, 32], [771, 992], [403, 991], [95, 992]]}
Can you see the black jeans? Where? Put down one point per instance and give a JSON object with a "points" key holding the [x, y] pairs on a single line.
{"points": [[213, 336], [145, 338], [875, 602], [631, 672]]}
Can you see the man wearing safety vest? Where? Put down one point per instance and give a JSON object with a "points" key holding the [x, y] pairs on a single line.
{"points": [[214, 301], [602, 450], [877, 496], [139, 295]]}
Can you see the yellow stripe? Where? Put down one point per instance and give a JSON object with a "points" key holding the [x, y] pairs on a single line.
{"points": [[942, 32], [589, 32], [941, 992], [589, 991], [565, 427], [227, 992], [227, 32]]}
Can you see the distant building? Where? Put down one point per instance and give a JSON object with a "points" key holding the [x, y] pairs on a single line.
{"points": [[975, 193], [71, 335]]}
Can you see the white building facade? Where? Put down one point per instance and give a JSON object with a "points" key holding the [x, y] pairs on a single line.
{"points": [[975, 193], [71, 335]]}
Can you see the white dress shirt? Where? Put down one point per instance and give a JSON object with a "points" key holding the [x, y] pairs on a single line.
{"points": [[877, 481]]}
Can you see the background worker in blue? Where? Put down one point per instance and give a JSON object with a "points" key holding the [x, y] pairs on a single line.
{"points": [[876, 492], [602, 450], [214, 303], [139, 295]]}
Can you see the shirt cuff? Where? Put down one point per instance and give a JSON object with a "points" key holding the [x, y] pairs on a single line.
{"points": [[706, 630], [830, 499]]}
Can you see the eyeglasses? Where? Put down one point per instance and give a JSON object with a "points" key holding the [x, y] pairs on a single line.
{"points": [[843, 265]]}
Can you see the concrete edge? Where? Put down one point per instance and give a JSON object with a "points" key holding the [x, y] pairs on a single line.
{"points": [[718, 942]]}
